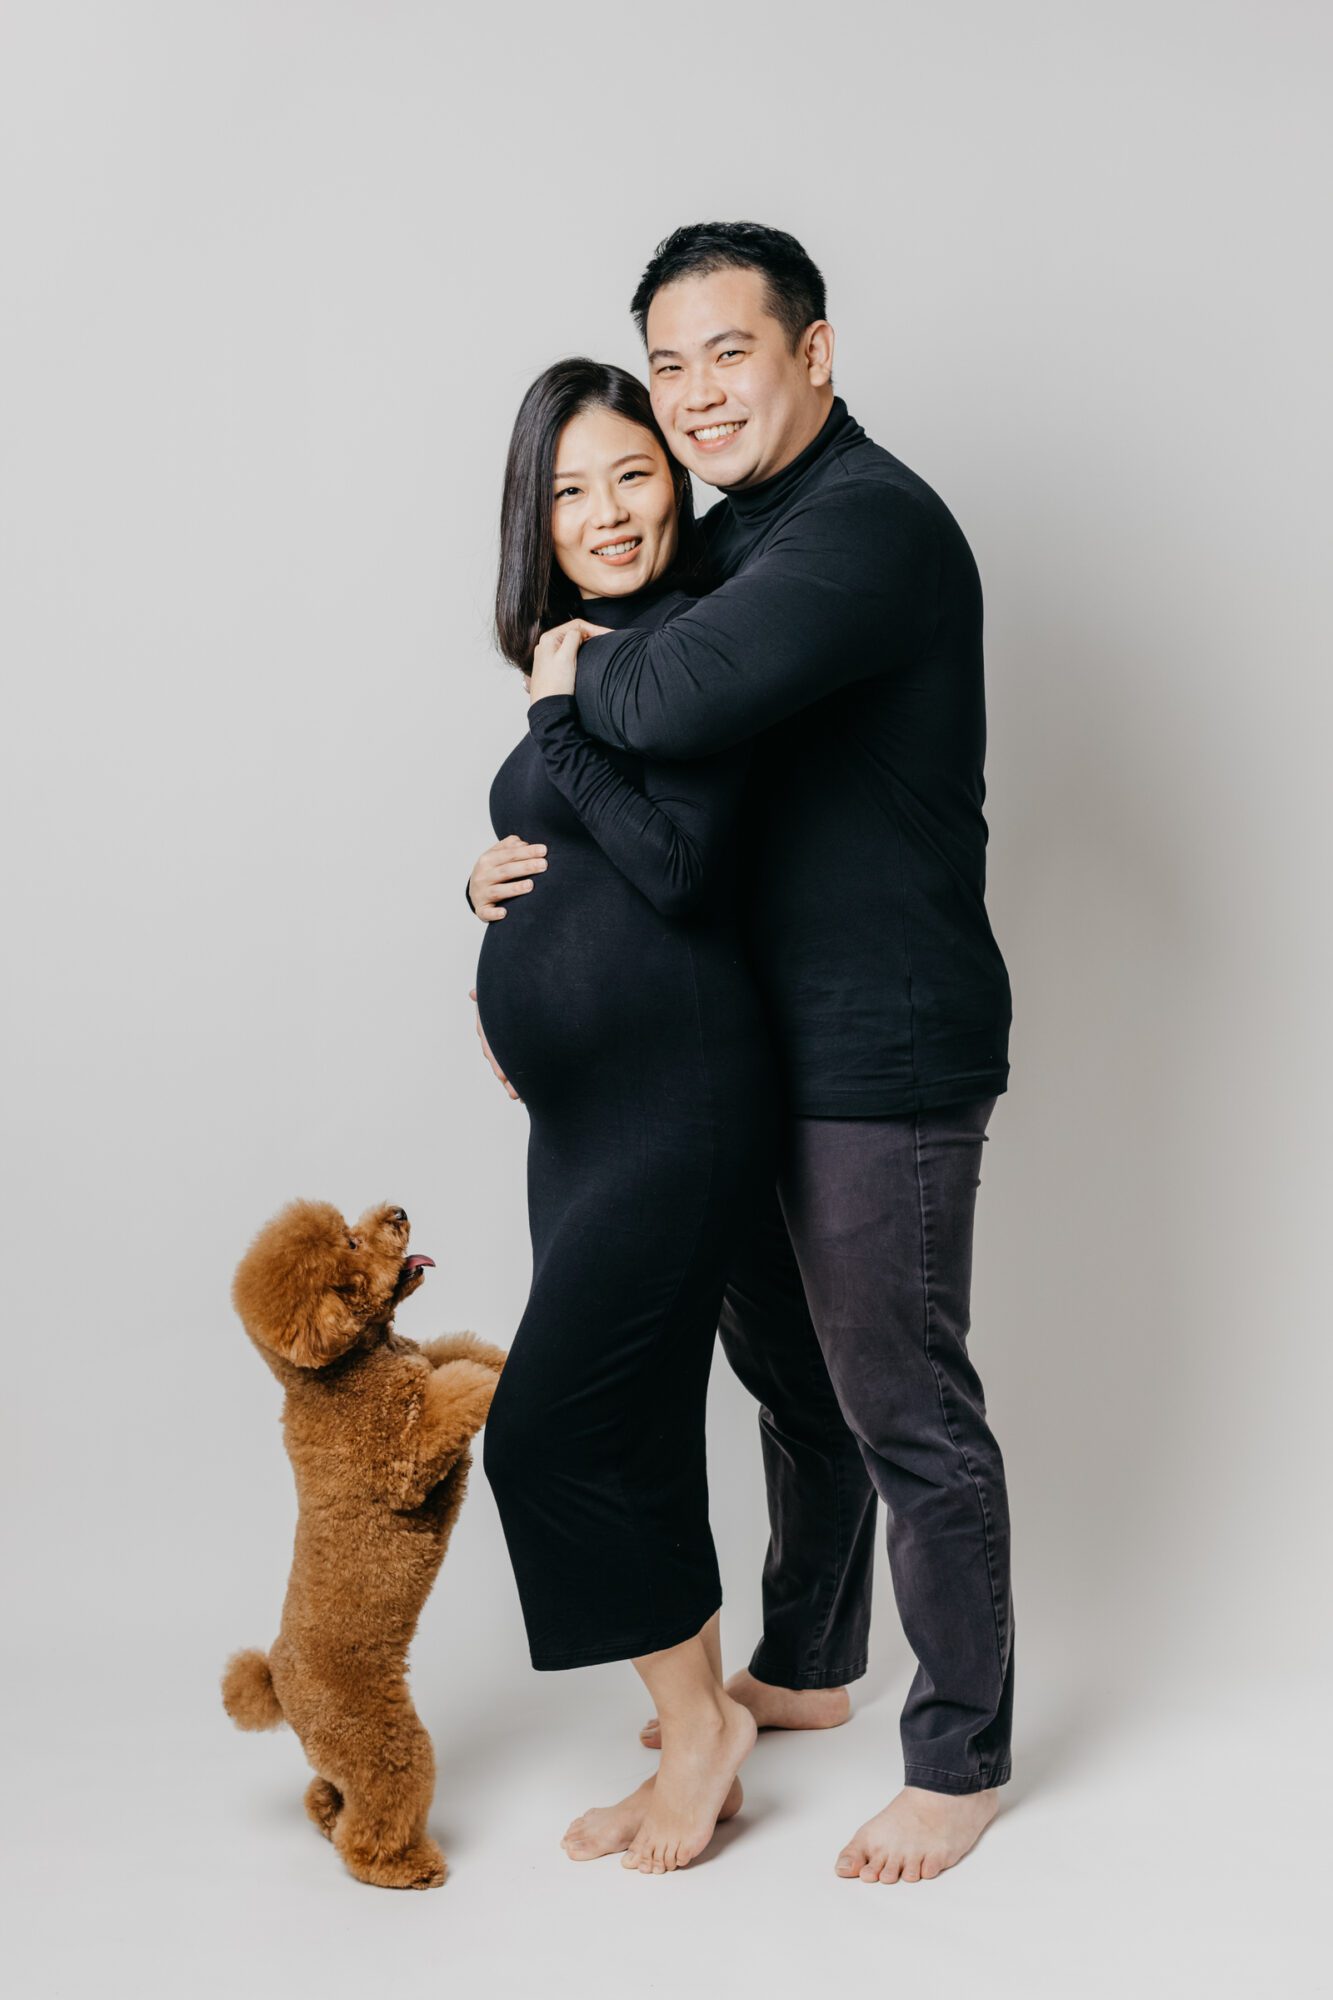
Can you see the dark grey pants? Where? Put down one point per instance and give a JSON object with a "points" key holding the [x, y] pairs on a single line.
{"points": [[868, 1388]]}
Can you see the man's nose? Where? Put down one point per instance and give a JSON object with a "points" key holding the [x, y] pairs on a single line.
{"points": [[703, 393]]}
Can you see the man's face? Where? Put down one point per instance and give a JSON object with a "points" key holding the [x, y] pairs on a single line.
{"points": [[734, 401]]}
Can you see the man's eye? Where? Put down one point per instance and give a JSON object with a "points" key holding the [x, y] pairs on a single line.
{"points": [[729, 350], [668, 368]]}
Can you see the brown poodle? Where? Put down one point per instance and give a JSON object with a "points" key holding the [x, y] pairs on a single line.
{"points": [[377, 1429]]}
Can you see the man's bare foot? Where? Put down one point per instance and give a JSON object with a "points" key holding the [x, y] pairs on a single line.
{"points": [[774, 1707], [693, 1783], [918, 1836], [610, 1829]]}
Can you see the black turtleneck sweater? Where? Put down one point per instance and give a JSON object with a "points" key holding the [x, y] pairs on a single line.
{"points": [[846, 637]]}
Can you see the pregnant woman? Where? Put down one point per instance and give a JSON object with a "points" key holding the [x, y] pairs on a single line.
{"points": [[612, 995]]}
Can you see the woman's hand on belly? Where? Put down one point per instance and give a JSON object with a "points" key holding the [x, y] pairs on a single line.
{"points": [[504, 870], [486, 1050]]}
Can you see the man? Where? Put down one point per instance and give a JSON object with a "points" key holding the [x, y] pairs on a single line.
{"points": [[846, 637]]}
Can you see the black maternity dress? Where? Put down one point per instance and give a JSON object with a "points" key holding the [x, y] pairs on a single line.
{"points": [[616, 1000]]}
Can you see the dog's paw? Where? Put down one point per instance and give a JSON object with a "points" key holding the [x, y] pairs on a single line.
{"points": [[463, 1347], [420, 1867], [323, 1802], [427, 1866], [467, 1378], [490, 1357]]}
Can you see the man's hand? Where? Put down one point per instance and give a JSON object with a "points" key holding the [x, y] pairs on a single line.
{"points": [[486, 1051], [504, 870], [555, 662]]}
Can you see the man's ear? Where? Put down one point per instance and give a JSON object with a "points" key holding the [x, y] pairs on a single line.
{"points": [[817, 352], [323, 1330]]}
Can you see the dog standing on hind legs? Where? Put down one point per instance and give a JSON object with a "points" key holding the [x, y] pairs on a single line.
{"points": [[377, 1429]]}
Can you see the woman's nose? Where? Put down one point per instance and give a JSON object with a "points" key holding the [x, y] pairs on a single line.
{"points": [[608, 509]]}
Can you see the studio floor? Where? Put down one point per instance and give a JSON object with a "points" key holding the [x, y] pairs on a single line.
{"points": [[151, 1849]]}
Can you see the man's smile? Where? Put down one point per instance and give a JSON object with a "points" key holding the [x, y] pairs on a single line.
{"points": [[712, 437]]}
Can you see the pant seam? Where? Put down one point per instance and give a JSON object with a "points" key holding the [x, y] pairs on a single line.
{"points": [[831, 1584], [958, 1446]]}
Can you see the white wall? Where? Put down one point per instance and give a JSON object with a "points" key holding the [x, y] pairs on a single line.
{"points": [[276, 274]]}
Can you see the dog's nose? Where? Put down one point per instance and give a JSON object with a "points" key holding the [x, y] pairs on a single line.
{"points": [[398, 1215]]}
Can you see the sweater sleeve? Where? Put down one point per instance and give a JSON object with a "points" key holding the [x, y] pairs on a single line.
{"points": [[845, 589], [669, 839]]}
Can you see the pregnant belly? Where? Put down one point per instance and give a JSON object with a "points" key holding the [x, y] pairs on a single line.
{"points": [[563, 992]]}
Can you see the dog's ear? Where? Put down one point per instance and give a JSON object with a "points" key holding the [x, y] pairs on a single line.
{"points": [[295, 1290], [326, 1328]]}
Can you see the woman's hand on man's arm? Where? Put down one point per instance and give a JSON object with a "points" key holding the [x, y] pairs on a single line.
{"points": [[555, 662], [504, 870]]}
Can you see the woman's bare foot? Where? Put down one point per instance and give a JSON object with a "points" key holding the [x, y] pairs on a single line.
{"points": [[774, 1707], [918, 1836], [697, 1772], [610, 1829]]}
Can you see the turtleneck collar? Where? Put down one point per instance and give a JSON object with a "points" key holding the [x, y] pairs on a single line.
{"points": [[618, 612], [753, 504]]}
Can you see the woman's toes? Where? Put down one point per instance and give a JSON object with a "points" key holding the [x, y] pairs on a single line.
{"points": [[931, 1867], [850, 1862], [912, 1871], [892, 1869]]}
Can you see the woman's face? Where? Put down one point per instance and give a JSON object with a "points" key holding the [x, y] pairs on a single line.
{"points": [[613, 510]]}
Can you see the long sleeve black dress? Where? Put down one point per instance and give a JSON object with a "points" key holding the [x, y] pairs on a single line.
{"points": [[616, 999]]}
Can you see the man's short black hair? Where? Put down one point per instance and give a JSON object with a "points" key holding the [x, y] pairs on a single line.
{"points": [[795, 286]]}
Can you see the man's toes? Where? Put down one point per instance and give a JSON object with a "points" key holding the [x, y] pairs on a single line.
{"points": [[850, 1862], [892, 1868], [932, 1866], [912, 1868]]}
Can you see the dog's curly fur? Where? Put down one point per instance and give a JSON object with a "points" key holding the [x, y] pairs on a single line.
{"points": [[377, 1429]]}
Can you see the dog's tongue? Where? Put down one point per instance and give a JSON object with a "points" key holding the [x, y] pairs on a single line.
{"points": [[416, 1260]]}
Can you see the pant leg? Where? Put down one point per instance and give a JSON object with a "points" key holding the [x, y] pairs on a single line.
{"points": [[880, 1213], [821, 1504]]}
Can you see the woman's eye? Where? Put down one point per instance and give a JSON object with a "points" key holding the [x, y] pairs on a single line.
{"points": [[566, 489], [640, 474]]}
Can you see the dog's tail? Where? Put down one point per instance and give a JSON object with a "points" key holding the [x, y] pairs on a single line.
{"points": [[248, 1694]]}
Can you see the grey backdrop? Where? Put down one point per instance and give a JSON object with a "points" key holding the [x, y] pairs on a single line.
{"points": [[275, 275]]}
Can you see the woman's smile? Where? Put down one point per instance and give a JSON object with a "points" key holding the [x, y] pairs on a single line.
{"points": [[619, 552]]}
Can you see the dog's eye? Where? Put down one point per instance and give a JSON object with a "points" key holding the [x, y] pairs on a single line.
{"points": [[352, 1243]]}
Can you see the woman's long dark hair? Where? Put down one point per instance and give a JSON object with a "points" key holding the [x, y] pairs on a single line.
{"points": [[533, 593]]}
